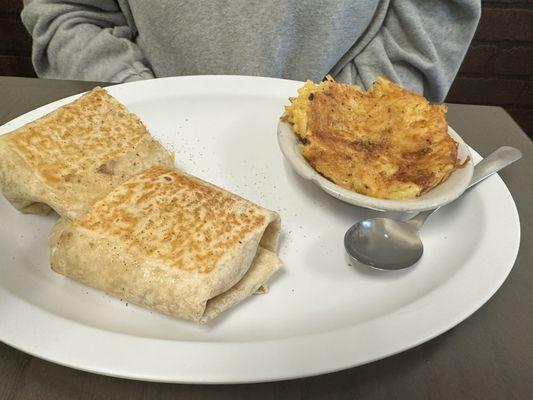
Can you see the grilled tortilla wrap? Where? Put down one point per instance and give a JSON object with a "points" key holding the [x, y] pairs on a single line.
{"points": [[170, 242], [75, 155]]}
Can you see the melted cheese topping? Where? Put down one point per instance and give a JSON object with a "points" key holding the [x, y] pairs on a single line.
{"points": [[387, 142]]}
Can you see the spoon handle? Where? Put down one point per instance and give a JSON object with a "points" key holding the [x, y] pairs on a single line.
{"points": [[498, 159], [491, 164], [419, 219]]}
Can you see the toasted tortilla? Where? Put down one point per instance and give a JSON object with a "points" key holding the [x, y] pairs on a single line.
{"points": [[74, 156], [170, 242]]}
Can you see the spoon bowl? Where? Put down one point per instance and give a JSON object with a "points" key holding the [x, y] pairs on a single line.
{"points": [[380, 242], [389, 244]]}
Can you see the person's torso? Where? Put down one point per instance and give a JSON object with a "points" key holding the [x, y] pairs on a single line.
{"points": [[280, 38]]}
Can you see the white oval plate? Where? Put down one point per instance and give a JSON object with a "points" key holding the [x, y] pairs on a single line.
{"points": [[443, 194], [321, 314]]}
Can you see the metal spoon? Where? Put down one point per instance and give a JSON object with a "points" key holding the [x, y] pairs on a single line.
{"points": [[389, 244]]}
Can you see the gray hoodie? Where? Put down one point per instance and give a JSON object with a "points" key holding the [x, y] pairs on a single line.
{"points": [[417, 43]]}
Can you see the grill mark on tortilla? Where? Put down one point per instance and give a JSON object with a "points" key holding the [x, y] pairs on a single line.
{"points": [[79, 135], [174, 218]]}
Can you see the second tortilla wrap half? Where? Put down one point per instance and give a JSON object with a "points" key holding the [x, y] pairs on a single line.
{"points": [[170, 242]]}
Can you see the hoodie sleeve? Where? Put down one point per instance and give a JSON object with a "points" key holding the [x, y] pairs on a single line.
{"points": [[83, 40], [419, 44]]}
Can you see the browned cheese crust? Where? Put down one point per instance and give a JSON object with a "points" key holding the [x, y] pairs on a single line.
{"points": [[386, 142]]}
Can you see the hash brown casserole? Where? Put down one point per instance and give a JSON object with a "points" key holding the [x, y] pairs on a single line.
{"points": [[386, 142]]}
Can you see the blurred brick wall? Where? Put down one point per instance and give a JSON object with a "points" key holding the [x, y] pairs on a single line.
{"points": [[498, 69], [15, 42]]}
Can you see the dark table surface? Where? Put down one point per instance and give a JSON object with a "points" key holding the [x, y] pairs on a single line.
{"points": [[488, 356]]}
